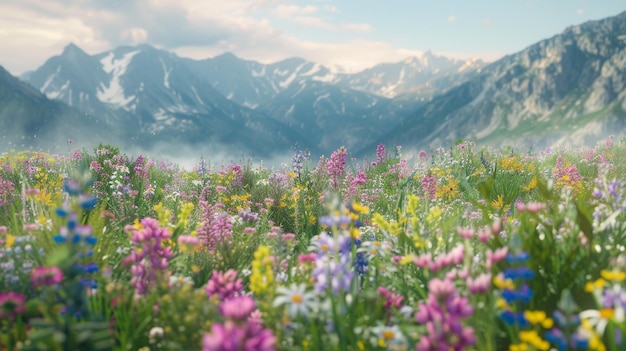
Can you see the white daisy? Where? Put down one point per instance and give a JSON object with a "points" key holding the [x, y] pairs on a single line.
{"points": [[296, 299]]}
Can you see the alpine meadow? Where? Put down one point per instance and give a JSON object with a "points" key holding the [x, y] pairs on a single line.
{"points": [[154, 201]]}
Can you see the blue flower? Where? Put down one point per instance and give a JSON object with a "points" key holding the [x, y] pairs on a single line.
{"points": [[512, 318], [519, 272], [522, 256], [87, 202], [524, 294], [556, 337]]}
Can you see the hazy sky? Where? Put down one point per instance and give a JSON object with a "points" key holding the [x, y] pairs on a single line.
{"points": [[353, 33]]}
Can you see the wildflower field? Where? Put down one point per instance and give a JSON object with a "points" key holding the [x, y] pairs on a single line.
{"points": [[452, 249]]}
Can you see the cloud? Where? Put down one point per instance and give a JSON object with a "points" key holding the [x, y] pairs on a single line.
{"points": [[34, 30], [287, 11], [351, 55], [451, 19], [357, 27], [317, 17], [45, 31]]}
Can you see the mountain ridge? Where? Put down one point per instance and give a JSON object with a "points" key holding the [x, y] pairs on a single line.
{"points": [[571, 84]]}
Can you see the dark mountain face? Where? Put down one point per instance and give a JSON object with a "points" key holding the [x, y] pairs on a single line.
{"points": [[28, 119], [160, 98], [335, 114]]}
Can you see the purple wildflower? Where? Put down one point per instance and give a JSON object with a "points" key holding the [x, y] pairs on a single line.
{"points": [[335, 167], [216, 226], [149, 256], [46, 276], [224, 285], [11, 304], [381, 154], [441, 314], [237, 308]]}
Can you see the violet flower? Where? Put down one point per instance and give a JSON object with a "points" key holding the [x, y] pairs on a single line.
{"points": [[441, 314], [224, 285]]}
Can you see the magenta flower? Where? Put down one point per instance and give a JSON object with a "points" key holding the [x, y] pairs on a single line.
{"points": [[149, 256], [224, 285], [216, 226], [479, 284], [11, 304], [46, 276], [381, 153], [429, 186], [441, 314], [223, 338], [237, 308], [241, 332], [391, 299], [335, 167], [230, 337]]}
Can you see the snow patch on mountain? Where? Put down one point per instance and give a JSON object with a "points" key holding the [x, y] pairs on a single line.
{"points": [[284, 84], [328, 78], [195, 93], [60, 92], [316, 67], [114, 92], [290, 111], [166, 74], [302, 86], [321, 97], [50, 79], [259, 74]]}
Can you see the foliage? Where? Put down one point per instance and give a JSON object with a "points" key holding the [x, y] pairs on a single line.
{"points": [[454, 248]]}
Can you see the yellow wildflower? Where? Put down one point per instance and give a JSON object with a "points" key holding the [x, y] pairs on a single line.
{"points": [[358, 208], [185, 212], [502, 283], [531, 185], [10, 240], [531, 337], [163, 214], [518, 347], [595, 285], [412, 203], [407, 259], [497, 203], [433, 215], [262, 276], [613, 275]]}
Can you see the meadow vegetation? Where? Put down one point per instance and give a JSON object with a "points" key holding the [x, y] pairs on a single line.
{"points": [[464, 248]]}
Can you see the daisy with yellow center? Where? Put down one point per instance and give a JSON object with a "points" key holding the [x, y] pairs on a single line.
{"points": [[296, 299]]}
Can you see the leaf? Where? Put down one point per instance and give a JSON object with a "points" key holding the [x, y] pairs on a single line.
{"points": [[60, 255], [610, 221], [583, 223]]}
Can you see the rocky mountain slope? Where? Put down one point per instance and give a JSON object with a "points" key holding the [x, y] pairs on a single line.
{"points": [[28, 119], [570, 88]]}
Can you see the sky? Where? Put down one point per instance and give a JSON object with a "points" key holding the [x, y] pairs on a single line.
{"points": [[353, 34]]}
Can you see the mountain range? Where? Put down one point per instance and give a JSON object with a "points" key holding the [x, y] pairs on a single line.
{"points": [[567, 88]]}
